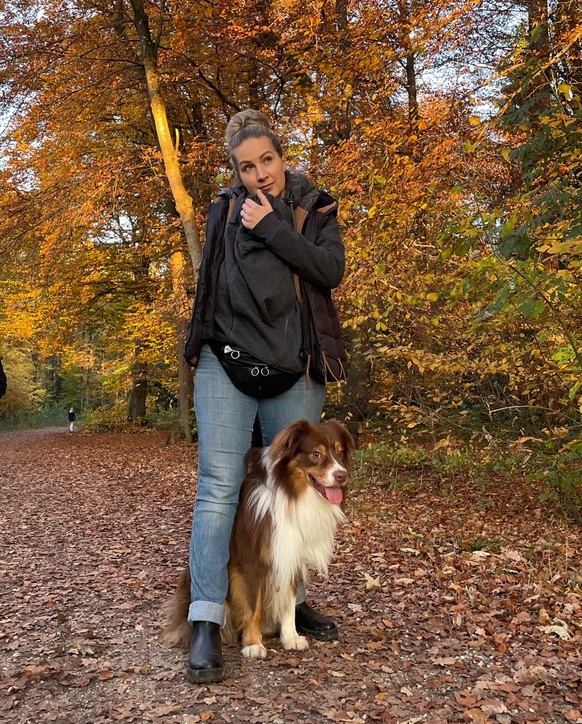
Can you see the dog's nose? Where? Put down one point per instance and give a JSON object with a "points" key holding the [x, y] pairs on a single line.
{"points": [[340, 477]]}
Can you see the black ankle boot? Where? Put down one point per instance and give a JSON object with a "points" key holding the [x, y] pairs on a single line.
{"points": [[205, 663], [311, 623]]}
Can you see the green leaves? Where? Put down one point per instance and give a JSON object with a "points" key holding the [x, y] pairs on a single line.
{"points": [[531, 308]]}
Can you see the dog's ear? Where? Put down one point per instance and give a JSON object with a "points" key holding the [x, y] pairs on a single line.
{"points": [[286, 442], [343, 435]]}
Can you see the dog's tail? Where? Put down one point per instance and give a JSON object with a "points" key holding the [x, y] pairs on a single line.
{"points": [[177, 631]]}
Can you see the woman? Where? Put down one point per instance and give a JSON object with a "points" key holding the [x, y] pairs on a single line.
{"points": [[262, 296]]}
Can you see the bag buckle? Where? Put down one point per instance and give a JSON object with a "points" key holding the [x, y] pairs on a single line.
{"points": [[234, 353]]}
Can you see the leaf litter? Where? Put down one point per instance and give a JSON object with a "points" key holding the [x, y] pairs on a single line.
{"points": [[94, 531]]}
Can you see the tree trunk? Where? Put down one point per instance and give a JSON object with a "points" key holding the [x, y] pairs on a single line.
{"points": [[540, 91], [182, 198], [184, 207], [185, 390], [341, 12], [136, 410], [411, 89], [568, 20], [409, 63], [357, 392], [537, 15]]}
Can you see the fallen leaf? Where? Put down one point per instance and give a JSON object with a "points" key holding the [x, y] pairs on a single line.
{"points": [[372, 583], [560, 630], [411, 550], [493, 706]]}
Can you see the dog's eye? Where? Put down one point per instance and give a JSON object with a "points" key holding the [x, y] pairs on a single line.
{"points": [[316, 455]]}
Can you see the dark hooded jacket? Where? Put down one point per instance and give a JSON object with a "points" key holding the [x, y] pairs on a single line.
{"points": [[267, 291], [3, 380]]}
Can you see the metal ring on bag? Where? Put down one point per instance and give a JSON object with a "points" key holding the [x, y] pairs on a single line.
{"points": [[254, 371], [234, 353], [265, 371]]}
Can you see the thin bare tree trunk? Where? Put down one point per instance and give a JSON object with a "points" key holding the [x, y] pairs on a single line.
{"points": [[185, 391], [184, 207], [410, 63], [182, 198]]}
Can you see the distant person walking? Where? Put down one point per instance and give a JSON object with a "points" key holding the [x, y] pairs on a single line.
{"points": [[3, 380], [72, 417]]}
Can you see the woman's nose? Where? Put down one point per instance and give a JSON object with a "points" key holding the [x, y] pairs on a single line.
{"points": [[261, 173]]}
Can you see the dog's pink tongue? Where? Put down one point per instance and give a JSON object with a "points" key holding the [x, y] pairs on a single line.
{"points": [[334, 495]]}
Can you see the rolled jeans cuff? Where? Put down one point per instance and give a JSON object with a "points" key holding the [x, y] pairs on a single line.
{"points": [[300, 595], [206, 611]]}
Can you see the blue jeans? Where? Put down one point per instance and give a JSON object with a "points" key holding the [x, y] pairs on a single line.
{"points": [[225, 419]]}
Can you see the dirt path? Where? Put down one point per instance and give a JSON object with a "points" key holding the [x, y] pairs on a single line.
{"points": [[94, 529]]}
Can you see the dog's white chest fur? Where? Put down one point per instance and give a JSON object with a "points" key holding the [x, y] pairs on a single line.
{"points": [[303, 532], [302, 539]]}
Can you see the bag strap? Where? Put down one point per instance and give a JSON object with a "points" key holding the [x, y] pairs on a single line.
{"points": [[231, 203], [299, 216]]}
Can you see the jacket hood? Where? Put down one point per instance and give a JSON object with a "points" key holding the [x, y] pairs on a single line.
{"points": [[300, 190]]}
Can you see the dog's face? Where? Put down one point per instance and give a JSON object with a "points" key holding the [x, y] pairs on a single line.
{"points": [[318, 455]]}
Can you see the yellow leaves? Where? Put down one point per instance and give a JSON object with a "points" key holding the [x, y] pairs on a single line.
{"points": [[566, 90], [414, 360], [571, 246], [474, 121], [444, 444]]}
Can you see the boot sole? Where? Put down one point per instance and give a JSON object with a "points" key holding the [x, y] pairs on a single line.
{"points": [[331, 634], [205, 676]]}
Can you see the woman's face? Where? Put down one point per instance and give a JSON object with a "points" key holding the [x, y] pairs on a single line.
{"points": [[260, 166]]}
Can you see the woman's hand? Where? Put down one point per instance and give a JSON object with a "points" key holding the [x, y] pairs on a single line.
{"points": [[251, 212]]}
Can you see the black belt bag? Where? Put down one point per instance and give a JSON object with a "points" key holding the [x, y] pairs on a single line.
{"points": [[253, 378]]}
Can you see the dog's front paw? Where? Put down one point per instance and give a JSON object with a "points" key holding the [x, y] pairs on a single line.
{"points": [[254, 651], [295, 643]]}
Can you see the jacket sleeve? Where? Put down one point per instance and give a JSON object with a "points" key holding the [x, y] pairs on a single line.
{"points": [[211, 255], [321, 263]]}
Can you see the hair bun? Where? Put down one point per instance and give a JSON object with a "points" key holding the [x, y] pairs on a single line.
{"points": [[244, 119]]}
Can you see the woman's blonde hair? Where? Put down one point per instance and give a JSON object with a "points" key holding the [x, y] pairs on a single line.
{"points": [[248, 124]]}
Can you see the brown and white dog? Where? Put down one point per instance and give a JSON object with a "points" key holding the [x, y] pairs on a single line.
{"points": [[291, 503]]}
